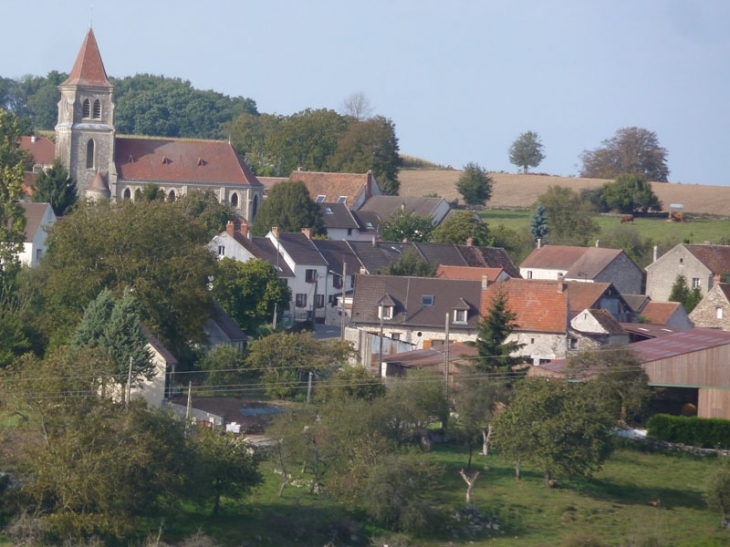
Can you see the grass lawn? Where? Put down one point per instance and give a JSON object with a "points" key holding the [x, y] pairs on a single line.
{"points": [[698, 229], [612, 506]]}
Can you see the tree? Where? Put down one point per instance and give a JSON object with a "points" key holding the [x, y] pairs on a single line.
{"points": [[406, 226], [114, 327], [689, 298], [207, 211], [717, 492], [149, 192], [476, 402], [474, 185], [461, 226], [560, 428], [290, 208], [629, 193], [617, 379], [13, 163], [495, 353], [358, 106], [250, 291], [539, 226], [526, 151], [410, 263], [370, 145], [251, 136], [224, 367], [571, 220], [352, 382], [285, 360], [631, 151], [56, 187], [151, 248]]}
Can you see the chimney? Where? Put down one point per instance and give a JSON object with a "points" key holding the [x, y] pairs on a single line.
{"points": [[656, 252], [244, 229], [597, 242], [363, 271], [307, 232], [561, 285], [716, 279], [230, 227], [485, 282], [374, 241], [275, 231], [33, 139], [469, 241], [539, 243]]}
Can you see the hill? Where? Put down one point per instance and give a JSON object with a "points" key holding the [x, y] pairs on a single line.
{"points": [[522, 190]]}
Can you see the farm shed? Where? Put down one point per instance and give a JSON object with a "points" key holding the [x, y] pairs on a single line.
{"points": [[696, 359]]}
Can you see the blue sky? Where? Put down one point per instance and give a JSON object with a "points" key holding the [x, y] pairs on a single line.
{"points": [[460, 79]]}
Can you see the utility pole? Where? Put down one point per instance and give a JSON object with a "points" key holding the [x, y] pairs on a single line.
{"points": [[446, 359], [128, 395], [309, 387], [342, 306], [380, 348]]}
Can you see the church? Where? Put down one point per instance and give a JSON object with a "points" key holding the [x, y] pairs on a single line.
{"points": [[111, 167]]}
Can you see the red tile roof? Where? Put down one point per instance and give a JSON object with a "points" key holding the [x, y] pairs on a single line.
{"points": [[88, 68], [584, 295], [333, 185], [715, 257], [658, 313], [538, 305], [42, 149], [467, 272], [180, 161]]}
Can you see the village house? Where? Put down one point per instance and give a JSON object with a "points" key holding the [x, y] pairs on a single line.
{"points": [[585, 264], [38, 218], [700, 265], [713, 311]]}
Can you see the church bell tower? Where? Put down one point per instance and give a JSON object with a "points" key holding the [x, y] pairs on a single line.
{"points": [[85, 129]]}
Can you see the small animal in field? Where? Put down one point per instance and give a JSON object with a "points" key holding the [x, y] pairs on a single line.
{"points": [[676, 217], [553, 484], [655, 503], [627, 218]]}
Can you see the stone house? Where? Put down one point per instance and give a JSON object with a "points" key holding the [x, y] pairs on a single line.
{"points": [[585, 264], [669, 314], [701, 265], [38, 218], [714, 309]]}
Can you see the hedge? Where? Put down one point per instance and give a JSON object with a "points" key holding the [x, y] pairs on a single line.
{"points": [[705, 432]]}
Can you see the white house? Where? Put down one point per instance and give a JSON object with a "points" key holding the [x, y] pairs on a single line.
{"points": [[38, 218]]}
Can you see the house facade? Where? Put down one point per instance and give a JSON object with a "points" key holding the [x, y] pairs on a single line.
{"points": [[38, 218], [714, 309], [701, 265]]}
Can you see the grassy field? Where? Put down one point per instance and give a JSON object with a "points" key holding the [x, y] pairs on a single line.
{"points": [[698, 228], [612, 506]]}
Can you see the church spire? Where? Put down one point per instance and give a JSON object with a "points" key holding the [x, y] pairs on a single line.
{"points": [[88, 68]]}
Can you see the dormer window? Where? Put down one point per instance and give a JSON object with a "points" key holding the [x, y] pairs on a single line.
{"points": [[320, 198], [385, 312], [342, 199], [427, 300], [460, 316], [460, 312]]}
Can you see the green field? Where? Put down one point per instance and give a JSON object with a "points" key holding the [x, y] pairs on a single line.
{"points": [[697, 229], [612, 506]]}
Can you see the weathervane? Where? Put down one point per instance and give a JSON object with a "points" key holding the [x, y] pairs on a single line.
{"points": [[91, 15]]}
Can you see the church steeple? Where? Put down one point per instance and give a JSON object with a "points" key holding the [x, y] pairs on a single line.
{"points": [[88, 68]]}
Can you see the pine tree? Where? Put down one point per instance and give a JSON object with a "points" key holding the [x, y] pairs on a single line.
{"points": [[494, 328], [681, 293], [56, 187], [539, 223]]}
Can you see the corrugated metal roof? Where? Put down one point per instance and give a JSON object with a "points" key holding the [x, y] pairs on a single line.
{"points": [[680, 343]]}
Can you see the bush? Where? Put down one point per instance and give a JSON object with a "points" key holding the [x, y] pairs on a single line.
{"points": [[706, 432]]}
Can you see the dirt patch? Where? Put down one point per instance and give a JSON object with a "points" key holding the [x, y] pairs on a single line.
{"points": [[522, 190]]}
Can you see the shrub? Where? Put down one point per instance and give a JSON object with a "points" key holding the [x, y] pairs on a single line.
{"points": [[707, 432]]}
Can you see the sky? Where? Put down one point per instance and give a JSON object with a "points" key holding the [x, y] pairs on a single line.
{"points": [[461, 79]]}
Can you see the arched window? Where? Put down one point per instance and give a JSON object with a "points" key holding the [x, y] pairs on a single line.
{"points": [[254, 208], [97, 109], [127, 194], [171, 196], [234, 200], [90, 154], [86, 108]]}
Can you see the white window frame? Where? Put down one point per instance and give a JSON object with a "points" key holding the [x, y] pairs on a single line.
{"points": [[696, 283], [460, 316], [385, 312]]}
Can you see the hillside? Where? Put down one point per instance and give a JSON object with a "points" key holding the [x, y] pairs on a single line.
{"points": [[522, 190]]}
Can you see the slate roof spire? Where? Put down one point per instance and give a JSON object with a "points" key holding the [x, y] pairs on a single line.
{"points": [[88, 68]]}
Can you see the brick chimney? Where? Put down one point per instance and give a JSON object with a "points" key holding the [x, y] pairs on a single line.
{"points": [[307, 232], [485, 282], [469, 241], [561, 285], [275, 231], [230, 227], [244, 229], [716, 279]]}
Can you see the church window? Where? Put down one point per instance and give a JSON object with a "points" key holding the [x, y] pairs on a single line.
{"points": [[90, 154], [171, 196], [127, 194], [86, 108], [255, 207], [97, 109], [234, 200]]}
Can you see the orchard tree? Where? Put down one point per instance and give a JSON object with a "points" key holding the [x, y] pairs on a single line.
{"points": [[539, 226], [410, 263], [459, 227], [474, 185], [55, 186], [631, 151], [526, 151], [495, 353], [289, 208], [629, 193], [250, 291], [405, 225]]}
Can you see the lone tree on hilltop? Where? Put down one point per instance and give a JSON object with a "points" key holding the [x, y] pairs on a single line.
{"points": [[474, 185], [631, 151], [526, 151]]}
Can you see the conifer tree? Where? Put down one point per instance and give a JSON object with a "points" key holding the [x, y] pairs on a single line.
{"points": [[539, 223], [56, 187], [494, 328]]}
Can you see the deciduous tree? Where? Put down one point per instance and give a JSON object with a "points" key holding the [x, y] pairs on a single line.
{"points": [[474, 185], [404, 225], [207, 211], [717, 492], [571, 220], [358, 106], [631, 151], [629, 193], [56, 187], [461, 226], [526, 151], [410, 263], [290, 208]]}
